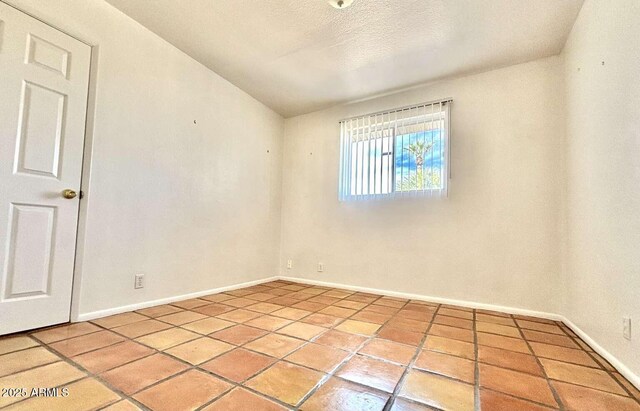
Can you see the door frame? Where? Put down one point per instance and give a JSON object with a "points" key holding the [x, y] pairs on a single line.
{"points": [[87, 153]]}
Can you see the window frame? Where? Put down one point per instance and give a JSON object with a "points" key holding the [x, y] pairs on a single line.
{"points": [[440, 111]]}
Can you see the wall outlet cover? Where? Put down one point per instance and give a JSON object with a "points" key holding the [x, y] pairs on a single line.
{"points": [[139, 281]]}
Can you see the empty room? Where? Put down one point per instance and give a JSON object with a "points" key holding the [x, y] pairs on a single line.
{"points": [[322, 205]]}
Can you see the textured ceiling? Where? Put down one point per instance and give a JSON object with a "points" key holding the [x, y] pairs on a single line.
{"points": [[297, 56]]}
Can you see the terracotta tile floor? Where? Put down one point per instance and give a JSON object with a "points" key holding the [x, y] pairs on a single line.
{"points": [[284, 345]]}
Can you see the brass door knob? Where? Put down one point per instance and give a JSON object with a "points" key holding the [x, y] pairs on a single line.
{"points": [[69, 194]]}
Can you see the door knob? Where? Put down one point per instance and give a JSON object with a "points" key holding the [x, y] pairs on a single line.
{"points": [[69, 194]]}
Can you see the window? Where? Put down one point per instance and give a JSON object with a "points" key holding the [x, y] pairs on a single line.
{"points": [[402, 152]]}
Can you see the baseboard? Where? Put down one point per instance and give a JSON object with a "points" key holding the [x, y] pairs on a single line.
{"points": [[437, 300], [146, 304], [617, 364]]}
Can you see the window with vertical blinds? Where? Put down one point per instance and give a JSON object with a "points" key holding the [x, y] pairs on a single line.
{"points": [[401, 152]]}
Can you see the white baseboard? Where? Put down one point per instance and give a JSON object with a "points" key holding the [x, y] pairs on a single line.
{"points": [[617, 364], [437, 300], [146, 304]]}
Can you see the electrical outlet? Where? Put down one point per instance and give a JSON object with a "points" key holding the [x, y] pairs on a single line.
{"points": [[320, 267], [139, 281], [626, 327], [289, 264]]}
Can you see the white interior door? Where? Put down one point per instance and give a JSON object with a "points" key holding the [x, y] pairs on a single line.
{"points": [[44, 77]]}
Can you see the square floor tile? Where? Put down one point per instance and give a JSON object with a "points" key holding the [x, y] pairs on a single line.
{"points": [[488, 318], [556, 352], [65, 332], [547, 338], [324, 299], [495, 401], [238, 334], [354, 305], [181, 317], [189, 304], [286, 382], [401, 404], [371, 317], [291, 313], [123, 405], [400, 335], [358, 327], [275, 345], [534, 325], [184, 392], [302, 330], [342, 340], [200, 350], [579, 375], [21, 360], [264, 308], [322, 320], [498, 329], [448, 346], [214, 309], [167, 338], [500, 341], [452, 332], [20, 342], [159, 310], [239, 316], [517, 384], [392, 301], [371, 372], [437, 391], [141, 328], [142, 373], [380, 309], [113, 356], [208, 325], [268, 322], [238, 365], [451, 312], [119, 319], [338, 311], [50, 375], [408, 324], [389, 350], [90, 394], [242, 400], [239, 302], [340, 395], [318, 357], [261, 296], [309, 306], [447, 365], [86, 343], [216, 298], [509, 359], [576, 398], [453, 321]]}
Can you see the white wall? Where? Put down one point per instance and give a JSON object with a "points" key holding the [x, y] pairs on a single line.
{"points": [[493, 240], [193, 206], [602, 281]]}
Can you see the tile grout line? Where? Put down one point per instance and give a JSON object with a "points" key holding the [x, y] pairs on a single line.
{"points": [[603, 367], [318, 385], [476, 365], [555, 394], [409, 366]]}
